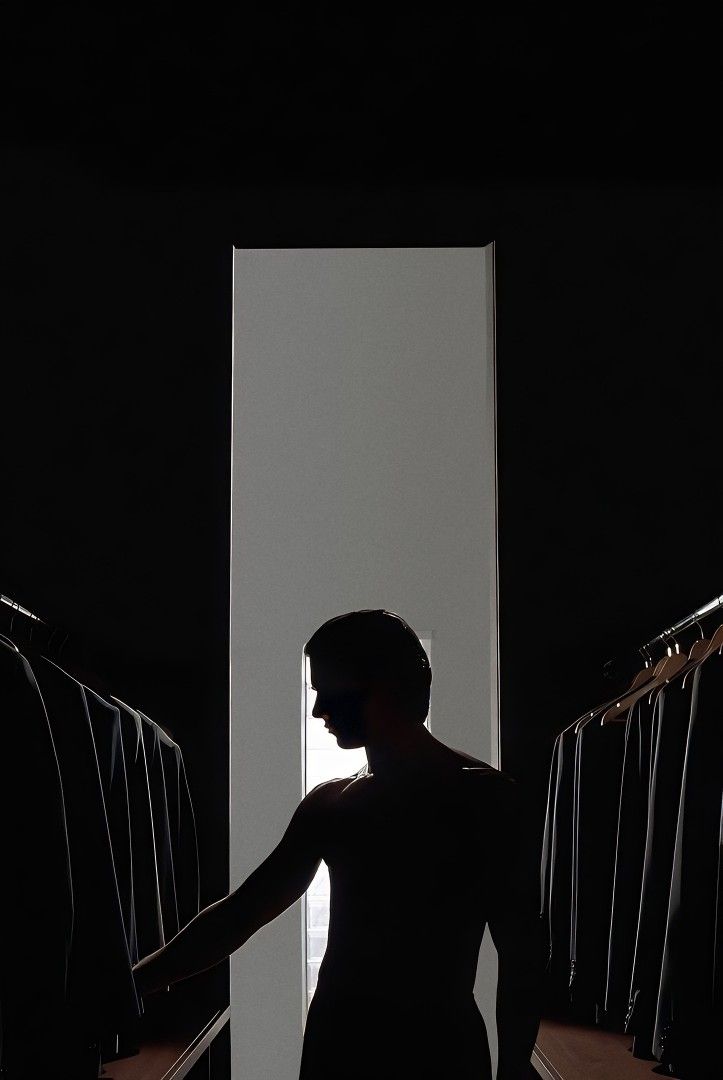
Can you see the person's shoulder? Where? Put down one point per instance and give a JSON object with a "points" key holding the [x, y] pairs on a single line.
{"points": [[324, 794], [497, 793], [495, 779], [326, 789]]}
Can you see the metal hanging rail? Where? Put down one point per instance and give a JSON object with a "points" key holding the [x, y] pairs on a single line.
{"points": [[19, 608], [53, 635], [689, 620]]}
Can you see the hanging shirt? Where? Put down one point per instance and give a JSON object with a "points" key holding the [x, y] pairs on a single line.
{"points": [[632, 831], [36, 898], [687, 1030], [673, 716]]}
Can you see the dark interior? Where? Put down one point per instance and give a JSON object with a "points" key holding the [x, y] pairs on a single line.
{"points": [[120, 210]]}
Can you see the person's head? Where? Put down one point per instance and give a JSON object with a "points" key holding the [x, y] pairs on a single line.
{"points": [[369, 670]]}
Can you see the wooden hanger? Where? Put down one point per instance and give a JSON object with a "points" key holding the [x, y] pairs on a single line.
{"points": [[643, 676], [696, 653], [714, 645], [699, 647], [663, 671]]}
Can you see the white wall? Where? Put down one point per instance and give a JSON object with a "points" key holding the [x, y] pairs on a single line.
{"points": [[363, 476]]}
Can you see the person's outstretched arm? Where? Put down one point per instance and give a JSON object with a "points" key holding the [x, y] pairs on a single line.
{"points": [[516, 931], [225, 925]]}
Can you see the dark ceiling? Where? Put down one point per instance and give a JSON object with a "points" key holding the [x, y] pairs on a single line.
{"points": [[137, 150]]}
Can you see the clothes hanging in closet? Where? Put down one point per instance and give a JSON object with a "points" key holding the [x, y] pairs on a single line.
{"points": [[556, 901], [154, 748], [634, 817], [101, 997], [687, 1026], [632, 830], [673, 706], [181, 860], [599, 754], [146, 897], [36, 900], [78, 842], [106, 726]]}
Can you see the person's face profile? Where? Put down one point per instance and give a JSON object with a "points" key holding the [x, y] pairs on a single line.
{"points": [[340, 701]]}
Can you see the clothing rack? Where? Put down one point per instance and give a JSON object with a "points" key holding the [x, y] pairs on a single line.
{"points": [[109, 858], [623, 667], [19, 608], [632, 880], [683, 624], [35, 625]]}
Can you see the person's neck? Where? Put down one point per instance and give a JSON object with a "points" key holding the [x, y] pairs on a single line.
{"points": [[406, 749]]}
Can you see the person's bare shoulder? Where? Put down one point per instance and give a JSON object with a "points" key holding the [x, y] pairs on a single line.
{"points": [[325, 794], [494, 793], [468, 763], [461, 758]]}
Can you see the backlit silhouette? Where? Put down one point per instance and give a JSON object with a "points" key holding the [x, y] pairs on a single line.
{"points": [[424, 849]]}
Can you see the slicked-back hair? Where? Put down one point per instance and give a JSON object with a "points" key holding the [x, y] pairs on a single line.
{"points": [[377, 645]]}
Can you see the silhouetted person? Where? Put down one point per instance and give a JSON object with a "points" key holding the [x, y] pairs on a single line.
{"points": [[424, 849]]}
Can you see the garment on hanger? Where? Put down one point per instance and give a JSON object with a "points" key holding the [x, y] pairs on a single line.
{"points": [[180, 851], [546, 858], [156, 750], [645, 895], [687, 1030], [632, 830], [598, 771], [557, 903], [106, 725], [673, 716], [36, 899], [101, 998], [146, 893], [183, 835], [93, 800], [184, 858], [187, 860], [718, 953]]}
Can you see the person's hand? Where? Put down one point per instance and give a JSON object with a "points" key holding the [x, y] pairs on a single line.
{"points": [[143, 974]]}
